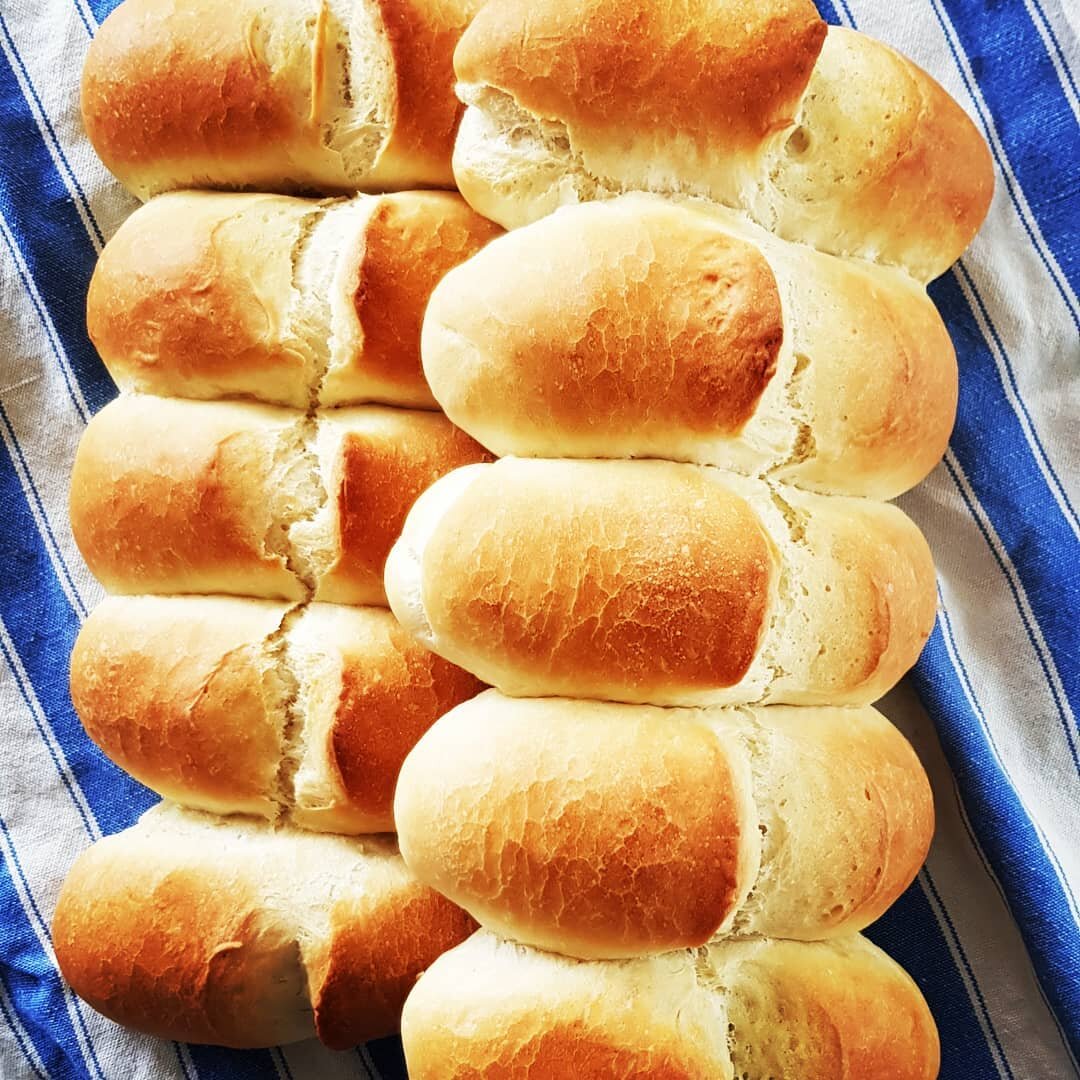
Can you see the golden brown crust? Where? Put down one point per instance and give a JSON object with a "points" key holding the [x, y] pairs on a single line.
{"points": [[179, 692], [642, 328], [190, 298], [422, 35], [410, 242], [380, 945], [194, 927], [237, 705], [664, 583], [598, 323], [167, 82], [601, 830], [640, 576], [202, 94], [759, 1008], [909, 175], [171, 496], [382, 463], [177, 950], [720, 74], [602, 838], [378, 720], [859, 1015]]}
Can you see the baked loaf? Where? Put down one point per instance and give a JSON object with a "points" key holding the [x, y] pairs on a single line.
{"points": [[290, 301], [822, 135], [192, 927], [663, 583], [175, 496], [743, 1010], [291, 95], [300, 714], [639, 328], [600, 830]]}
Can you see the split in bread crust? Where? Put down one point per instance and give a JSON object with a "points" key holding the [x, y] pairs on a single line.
{"points": [[756, 1009], [662, 583], [642, 328], [205, 929], [600, 830], [289, 301], [827, 138], [298, 714], [173, 496], [293, 95]]}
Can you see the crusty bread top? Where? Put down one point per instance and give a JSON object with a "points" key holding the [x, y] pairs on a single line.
{"points": [[195, 927], [753, 1010], [297, 95], [650, 581], [711, 73], [640, 328], [291, 301], [602, 830], [235, 705], [624, 577], [172, 496], [576, 100]]}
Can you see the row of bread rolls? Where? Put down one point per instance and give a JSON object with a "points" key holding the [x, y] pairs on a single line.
{"points": [[669, 583], [647, 329], [749, 105], [214, 927]]}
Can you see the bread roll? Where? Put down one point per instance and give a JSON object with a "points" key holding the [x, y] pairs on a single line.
{"points": [[193, 927], [219, 497], [668, 584], [636, 328], [232, 705], [827, 138], [291, 95], [743, 1010], [289, 301], [600, 830]]}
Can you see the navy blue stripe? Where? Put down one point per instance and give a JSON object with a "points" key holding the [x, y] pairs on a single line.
{"points": [[389, 1058], [35, 962], [50, 235], [14, 1023], [1033, 119], [52, 136], [35, 986], [1034, 892], [15, 868], [913, 937], [42, 627], [990, 447], [217, 1063]]}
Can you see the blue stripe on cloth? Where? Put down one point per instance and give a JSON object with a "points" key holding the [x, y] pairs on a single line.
{"points": [[42, 627], [1033, 890], [49, 233], [388, 1058], [22, 1040], [1033, 119], [217, 1063], [913, 937], [1039, 542], [35, 986]]}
